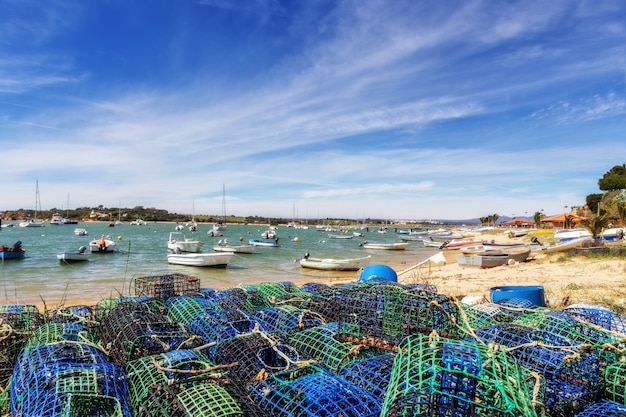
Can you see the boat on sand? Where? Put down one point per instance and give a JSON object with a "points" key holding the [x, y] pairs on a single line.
{"points": [[493, 258], [332, 264]]}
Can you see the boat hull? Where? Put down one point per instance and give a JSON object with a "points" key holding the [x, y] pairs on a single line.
{"points": [[386, 246], [330, 264], [9, 254], [256, 242], [235, 248], [491, 259], [100, 246], [73, 256], [218, 259]]}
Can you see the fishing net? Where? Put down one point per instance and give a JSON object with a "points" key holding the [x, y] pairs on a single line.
{"points": [[312, 391], [322, 345], [63, 379], [371, 374], [255, 355], [131, 330], [17, 322], [434, 376], [162, 287], [604, 408], [570, 375], [286, 319]]}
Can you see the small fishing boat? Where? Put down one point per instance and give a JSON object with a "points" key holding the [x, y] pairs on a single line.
{"points": [[180, 241], [385, 246], [562, 246], [79, 231], [102, 245], [224, 246], [268, 243], [493, 258], [12, 252], [215, 259], [74, 256], [331, 264]]}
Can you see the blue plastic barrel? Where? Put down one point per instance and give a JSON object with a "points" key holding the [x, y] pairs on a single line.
{"points": [[377, 272], [532, 293]]}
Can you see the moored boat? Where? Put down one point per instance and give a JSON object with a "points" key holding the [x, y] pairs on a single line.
{"points": [[269, 243], [385, 246], [216, 259], [12, 252], [560, 246], [224, 246], [331, 264], [74, 256], [102, 245], [79, 231], [178, 240]]}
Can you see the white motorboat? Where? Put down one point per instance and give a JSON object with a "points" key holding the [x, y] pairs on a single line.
{"points": [[216, 259], [270, 233], [571, 234], [178, 240], [331, 264], [385, 246], [102, 245], [561, 246], [79, 231], [74, 256], [269, 243], [224, 246]]}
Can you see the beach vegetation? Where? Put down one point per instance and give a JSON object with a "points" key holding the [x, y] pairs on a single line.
{"points": [[614, 179]]}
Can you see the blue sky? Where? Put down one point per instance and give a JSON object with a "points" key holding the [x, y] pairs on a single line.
{"points": [[401, 109]]}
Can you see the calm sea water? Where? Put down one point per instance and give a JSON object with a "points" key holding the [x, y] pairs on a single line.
{"points": [[142, 251]]}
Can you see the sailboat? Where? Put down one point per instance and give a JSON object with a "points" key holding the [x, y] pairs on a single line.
{"points": [[118, 222], [34, 222], [221, 223]]}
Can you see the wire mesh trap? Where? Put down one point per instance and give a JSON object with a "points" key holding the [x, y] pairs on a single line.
{"points": [[570, 374], [178, 383], [130, 330], [64, 378], [255, 355], [322, 344], [312, 391], [390, 311], [371, 374], [162, 287], [58, 332], [286, 319], [17, 322], [604, 408], [434, 376]]}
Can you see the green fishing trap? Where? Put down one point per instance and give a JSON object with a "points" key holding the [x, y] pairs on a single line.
{"points": [[286, 319], [434, 376], [323, 345]]}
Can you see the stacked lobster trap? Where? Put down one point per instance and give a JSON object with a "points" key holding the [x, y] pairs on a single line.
{"points": [[276, 349]]}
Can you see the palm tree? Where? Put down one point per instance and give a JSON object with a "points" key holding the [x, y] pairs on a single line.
{"points": [[596, 224]]}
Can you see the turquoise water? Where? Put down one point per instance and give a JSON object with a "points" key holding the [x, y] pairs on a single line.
{"points": [[142, 251]]}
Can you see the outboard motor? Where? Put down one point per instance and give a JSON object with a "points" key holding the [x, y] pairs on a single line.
{"points": [[17, 245], [307, 255], [82, 249], [535, 241]]}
